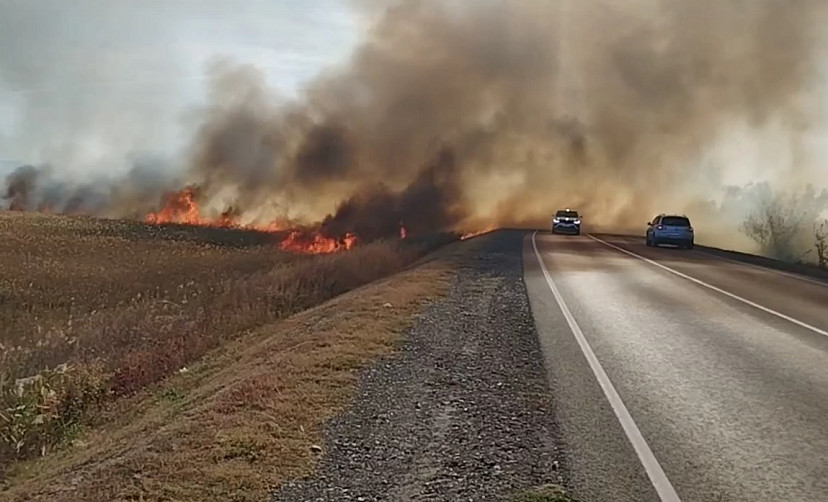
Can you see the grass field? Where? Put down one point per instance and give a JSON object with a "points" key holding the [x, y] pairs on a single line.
{"points": [[95, 310], [245, 418]]}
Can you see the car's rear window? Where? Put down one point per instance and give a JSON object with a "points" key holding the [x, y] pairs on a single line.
{"points": [[675, 221], [567, 214]]}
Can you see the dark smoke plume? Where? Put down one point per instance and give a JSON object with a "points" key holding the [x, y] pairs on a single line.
{"points": [[31, 188], [20, 186], [498, 112], [428, 203]]}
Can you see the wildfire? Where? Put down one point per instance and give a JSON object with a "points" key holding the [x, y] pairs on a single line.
{"points": [[273, 226], [182, 207], [475, 234], [315, 243], [179, 207], [227, 219]]}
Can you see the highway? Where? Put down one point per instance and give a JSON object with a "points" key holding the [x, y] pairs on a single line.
{"points": [[680, 376]]}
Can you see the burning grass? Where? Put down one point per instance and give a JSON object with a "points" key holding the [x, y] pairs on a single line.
{"points": [[248, 416], [470, 235], [182, 207], [92, 309]]}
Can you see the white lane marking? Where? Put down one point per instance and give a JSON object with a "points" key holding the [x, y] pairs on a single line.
{"points": [[714, 288], [662, 485], [792, 275], [766, 269]]}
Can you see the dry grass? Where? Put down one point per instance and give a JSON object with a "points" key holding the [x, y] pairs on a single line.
{"points": [[60, 278], [123, 305], [245, 419]]}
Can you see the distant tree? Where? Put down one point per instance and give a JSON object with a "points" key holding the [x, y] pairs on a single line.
{"points": [[778, 218], [821, 244]]}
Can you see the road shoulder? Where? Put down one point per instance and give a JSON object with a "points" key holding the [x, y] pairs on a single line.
{"points": [[462, 411]]}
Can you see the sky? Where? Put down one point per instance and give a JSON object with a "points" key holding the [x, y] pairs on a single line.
{"points": [[93, 83], [139, 66]]}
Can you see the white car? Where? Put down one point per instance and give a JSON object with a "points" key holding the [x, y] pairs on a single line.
{"points": [[566, 221]]}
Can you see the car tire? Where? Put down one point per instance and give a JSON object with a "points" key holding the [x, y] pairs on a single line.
{"points": [[654, 243], [689, 245], [648, 242]]}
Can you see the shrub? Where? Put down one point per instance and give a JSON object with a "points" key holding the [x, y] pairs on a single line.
{"points": [[41, 411], [821, 244], [779, 220]]}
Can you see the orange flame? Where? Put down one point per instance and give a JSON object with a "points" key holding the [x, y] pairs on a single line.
{"points": [[316, 243], [180, 207], [469, 235]]}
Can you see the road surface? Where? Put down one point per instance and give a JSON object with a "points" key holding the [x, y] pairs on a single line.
{"points": [[679, 375]]}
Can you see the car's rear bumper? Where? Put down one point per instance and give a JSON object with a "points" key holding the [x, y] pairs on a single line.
{"points": [[566, 228], [675, 240]]}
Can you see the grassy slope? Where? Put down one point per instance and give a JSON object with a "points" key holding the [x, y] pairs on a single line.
{"points": [[128, 304], [63, 279], [244, 419]]}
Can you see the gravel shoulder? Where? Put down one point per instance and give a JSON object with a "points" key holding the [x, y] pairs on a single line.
{"points": [[461, 411]]}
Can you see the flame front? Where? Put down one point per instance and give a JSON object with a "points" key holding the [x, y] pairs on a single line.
{"points": [[182, 208], [179, 207], [307, 242], [469, 235]]}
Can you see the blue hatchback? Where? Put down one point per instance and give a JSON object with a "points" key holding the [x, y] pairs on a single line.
{"points": [[670, 229]]}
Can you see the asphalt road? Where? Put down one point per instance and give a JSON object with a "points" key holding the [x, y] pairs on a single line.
{"points": [[707, 378]]}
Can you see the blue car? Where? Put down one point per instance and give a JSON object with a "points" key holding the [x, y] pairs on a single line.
{"points": [[670, 229], [566, 221]]}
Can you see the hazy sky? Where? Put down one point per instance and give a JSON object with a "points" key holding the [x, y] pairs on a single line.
{"points": [[713, 93], [79, 77]]}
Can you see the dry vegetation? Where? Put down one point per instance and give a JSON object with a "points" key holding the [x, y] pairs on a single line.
{"points": [[243, 420], [788, 226], [92, 310], [821, 244]]}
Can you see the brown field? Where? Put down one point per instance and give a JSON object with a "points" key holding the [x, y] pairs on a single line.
{"points": [[245, 418], [95, 311]]}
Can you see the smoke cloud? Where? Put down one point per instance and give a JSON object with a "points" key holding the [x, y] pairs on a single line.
{"points": [[455, 114]]}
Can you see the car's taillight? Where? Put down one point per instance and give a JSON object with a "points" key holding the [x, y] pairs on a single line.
{"points": [[689, 229]]}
